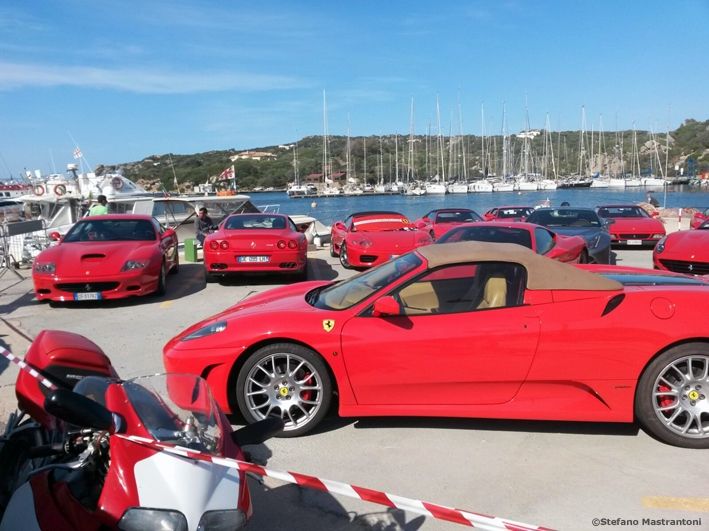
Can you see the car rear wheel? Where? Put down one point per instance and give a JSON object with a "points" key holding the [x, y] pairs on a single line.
{"points": [[287, 380], [583, 257], [209, 278], [672, 399], [344, 259], [176, 267]]}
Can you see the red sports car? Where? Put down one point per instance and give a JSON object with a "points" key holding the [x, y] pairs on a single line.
{"points": [[107, 257], [465, 329], [247, 243], [684, 251], [366, 239], [631, 225], [699, 217], [508, 213], [439, 221], [535, 237]]}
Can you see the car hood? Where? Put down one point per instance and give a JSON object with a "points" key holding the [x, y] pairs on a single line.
{"points": [[388, 239], [100, 257], [636, 225], [687, 245]]}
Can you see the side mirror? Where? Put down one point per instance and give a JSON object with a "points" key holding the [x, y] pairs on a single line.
{"points": [[340, 226], [258, 432], [386, 306], [77, 409], [609, 221], [55, 236], [169, 233]]}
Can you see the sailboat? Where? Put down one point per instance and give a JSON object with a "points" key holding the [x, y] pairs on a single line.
{"points": [[437, 185]]}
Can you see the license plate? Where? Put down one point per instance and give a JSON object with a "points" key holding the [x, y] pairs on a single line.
{"points": [[635, 242], [90, 296], [252, 259]]}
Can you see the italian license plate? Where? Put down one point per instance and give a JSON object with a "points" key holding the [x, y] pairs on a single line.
{"points": [[635, 242], [252, 259], [90, 296]]}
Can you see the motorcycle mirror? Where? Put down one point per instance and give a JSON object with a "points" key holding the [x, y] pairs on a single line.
{"points": [[258, 432], [77, 409]]}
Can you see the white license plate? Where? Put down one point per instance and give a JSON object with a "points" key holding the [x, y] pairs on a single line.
{"points": [[635, 242], [252, 259], [90, 296]]}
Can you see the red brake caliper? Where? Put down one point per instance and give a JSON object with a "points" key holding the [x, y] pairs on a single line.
{"points": [[665, 400]]}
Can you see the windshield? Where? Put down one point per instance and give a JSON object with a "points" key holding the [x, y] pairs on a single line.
{"points": [[254, 221], [566, 217], [488, 234], [380, 221], [357, 288], [512, 212], [457, 216], [622, 212], [177, 408], [111, 230]]}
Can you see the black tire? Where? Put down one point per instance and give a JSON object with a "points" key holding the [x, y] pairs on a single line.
{"points": [[176, 268], [432, 235], [693, 389], [332, 250], [584, 258], [15, 461], [313, 371], [210, 278], [344, 259], [303, 275], [162, 281]]}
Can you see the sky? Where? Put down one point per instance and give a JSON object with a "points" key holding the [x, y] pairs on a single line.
{"points": [[126, 80]]}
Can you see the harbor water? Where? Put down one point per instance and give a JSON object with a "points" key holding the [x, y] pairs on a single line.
{"points": [[329, 209]]}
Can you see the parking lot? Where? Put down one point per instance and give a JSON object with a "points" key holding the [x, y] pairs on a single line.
{"points": [[559, 475]]}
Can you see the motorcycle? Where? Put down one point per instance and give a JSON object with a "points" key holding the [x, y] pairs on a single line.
{"points": [[67, 461]]}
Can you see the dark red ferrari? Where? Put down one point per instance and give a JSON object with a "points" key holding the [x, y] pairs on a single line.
{"points": [[699, 217], [255, 243], [684, 251], [439, 221], [465, 330], [366, 239], [540, 239], [107, 257]]}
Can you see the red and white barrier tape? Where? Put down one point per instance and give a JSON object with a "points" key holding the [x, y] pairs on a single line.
{"points": [[27, 368], [431, 510]]}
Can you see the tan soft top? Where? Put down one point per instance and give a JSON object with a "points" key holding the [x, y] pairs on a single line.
{"points": [[542, 273]]}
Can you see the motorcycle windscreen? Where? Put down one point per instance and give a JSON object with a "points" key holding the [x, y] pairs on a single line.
{"points": [[178, 409]]}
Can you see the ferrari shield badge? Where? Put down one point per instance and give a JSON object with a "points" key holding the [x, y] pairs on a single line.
{"points": [[328, 324]]}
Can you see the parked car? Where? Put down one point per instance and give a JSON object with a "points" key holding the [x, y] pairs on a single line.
{"points": [[684, 251], [465, 329], [439, 221], [248, 243], [508, 213], [107, 257], [366, 239], [540, 239], [699, 217], [583, 222], [631, 225]]}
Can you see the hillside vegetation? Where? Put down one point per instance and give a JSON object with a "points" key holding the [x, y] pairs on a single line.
{"points": [[688, 148]]}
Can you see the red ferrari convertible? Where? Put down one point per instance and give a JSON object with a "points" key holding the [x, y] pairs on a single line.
{"points": [[684, 251], [699, 217], [535, 237], [249, 243], [631, 225], [439, 221], [107, 257], [508, 213], [366, 239], [465, 329]]}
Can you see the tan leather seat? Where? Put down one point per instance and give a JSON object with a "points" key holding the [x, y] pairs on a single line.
{"points": [[419, 298], [495, 293]]}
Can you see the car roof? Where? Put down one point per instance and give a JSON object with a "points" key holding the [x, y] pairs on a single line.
{"points": [[548, 209], [542, 273], [376, 212], [620, 205], [512, 206], [453, 209], [119, 217], [501, 224]]}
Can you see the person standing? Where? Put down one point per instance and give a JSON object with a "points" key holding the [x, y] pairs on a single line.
{"points": [[100, 208], [652, 200], [202, 224]]}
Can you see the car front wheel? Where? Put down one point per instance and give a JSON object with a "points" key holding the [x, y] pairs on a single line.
{"points": [[344, 258], [287, 380], [672, 398]]}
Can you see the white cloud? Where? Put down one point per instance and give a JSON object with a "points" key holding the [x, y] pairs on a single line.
{"points": [[138, 80]]}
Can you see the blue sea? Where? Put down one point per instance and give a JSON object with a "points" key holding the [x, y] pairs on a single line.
{"points": [[329, 209]]}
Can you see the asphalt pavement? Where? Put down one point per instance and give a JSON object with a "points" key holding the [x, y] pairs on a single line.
{"points": [[560, 475]]}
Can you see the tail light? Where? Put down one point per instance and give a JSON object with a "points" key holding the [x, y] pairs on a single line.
{"points": [[292, 244], [281, 244], [224, 245], [213, 245]]}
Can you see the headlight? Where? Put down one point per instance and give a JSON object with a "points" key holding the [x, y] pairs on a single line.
{"points": [[208, 330], [657, 236], [660, 245], [221, 520], [141, 519], [362, 242], [45, 267], [130, 265]]}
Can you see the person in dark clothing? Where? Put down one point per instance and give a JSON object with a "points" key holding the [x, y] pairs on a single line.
{"points": [[652, 200], [202, 224]]}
